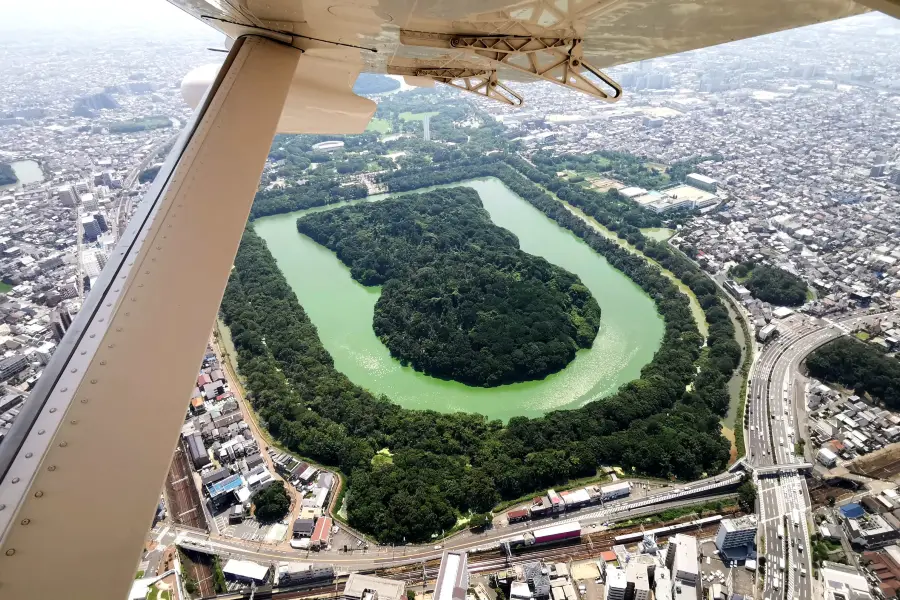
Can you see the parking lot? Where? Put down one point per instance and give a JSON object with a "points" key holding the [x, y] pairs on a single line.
{"points": [[251, 530]]}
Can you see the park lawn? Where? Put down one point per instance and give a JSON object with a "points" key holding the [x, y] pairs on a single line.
{"points": [[379, 125], [862, 335], [5, 287], [658, 167], [411, 116]]}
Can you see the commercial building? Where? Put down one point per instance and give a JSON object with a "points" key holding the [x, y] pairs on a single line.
{"points": [[615, 490], [871, 532], [736, 537], [12, 366], [368, 587], [245, 571], [328, 146], [453, 577], [842, 582], [702, 181], [322, 533], [737, 290], [767, 332], [682, 560]]}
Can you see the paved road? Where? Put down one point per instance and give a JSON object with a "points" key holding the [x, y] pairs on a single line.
{"points": [[777, 401]]}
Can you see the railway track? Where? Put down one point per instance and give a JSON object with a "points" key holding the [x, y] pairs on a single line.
{"points": [[588, 546]]}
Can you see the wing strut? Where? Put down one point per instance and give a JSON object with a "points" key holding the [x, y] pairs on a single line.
{"points": [[82, 472], [557, 60]]}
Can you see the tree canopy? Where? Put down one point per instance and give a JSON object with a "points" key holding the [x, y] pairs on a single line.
{"points": [[772, 284], [271, 503], [860, 366], [459, 300], [7, 175]]}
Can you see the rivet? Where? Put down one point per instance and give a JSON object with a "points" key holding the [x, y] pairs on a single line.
{"points": [[84, 400], [133, 299], [41, 432], [123, 277], [11, 551], [109, 303], [127, 314], [111, 346], [74, 421], [93, 335], [73, 370], [158, 248], [51, 468], [65, 389], [140, 285], [119, 329], [116, 290], [102, 363], [148, 272], [28, 455], [15, 480], [63, 444], [52, 410], [2, 506], [101, 319], [39, 494], [25, 521], [93, 381]]}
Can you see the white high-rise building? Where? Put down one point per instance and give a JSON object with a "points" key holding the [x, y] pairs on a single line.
{"points": [[638, 580], [426, 127], [616, 584], [735, 533], [682, 559]]}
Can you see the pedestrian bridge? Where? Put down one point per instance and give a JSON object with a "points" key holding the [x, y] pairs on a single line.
{"points": [[785, 468]]}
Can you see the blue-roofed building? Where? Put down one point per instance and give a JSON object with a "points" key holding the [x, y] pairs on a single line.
{"points": [[852, 511], [222, 493]]}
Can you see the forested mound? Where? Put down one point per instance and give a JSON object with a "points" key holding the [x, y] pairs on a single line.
{"points": [[771, 284], [460, 300], [443, 465], [859, 366]]}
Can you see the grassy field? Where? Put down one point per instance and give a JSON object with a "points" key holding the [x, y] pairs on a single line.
{"points": [[862, 335], [379, 125], [410, 116], [658, 167], [5, 287], [660, 234]]}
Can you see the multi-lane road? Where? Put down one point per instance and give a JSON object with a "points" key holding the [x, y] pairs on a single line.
{"points": [[777, 401]]}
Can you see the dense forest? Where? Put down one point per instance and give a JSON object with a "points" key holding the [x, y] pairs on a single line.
{"points": [[459, 300], [771, 284], [373, 83], [7, 175], [446, 464], [859, 366]]}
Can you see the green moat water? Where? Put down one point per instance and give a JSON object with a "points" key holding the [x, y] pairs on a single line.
{"points": [[342, 310]]}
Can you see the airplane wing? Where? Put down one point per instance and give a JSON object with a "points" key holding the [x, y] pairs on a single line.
{"points": [[481, 45]]}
